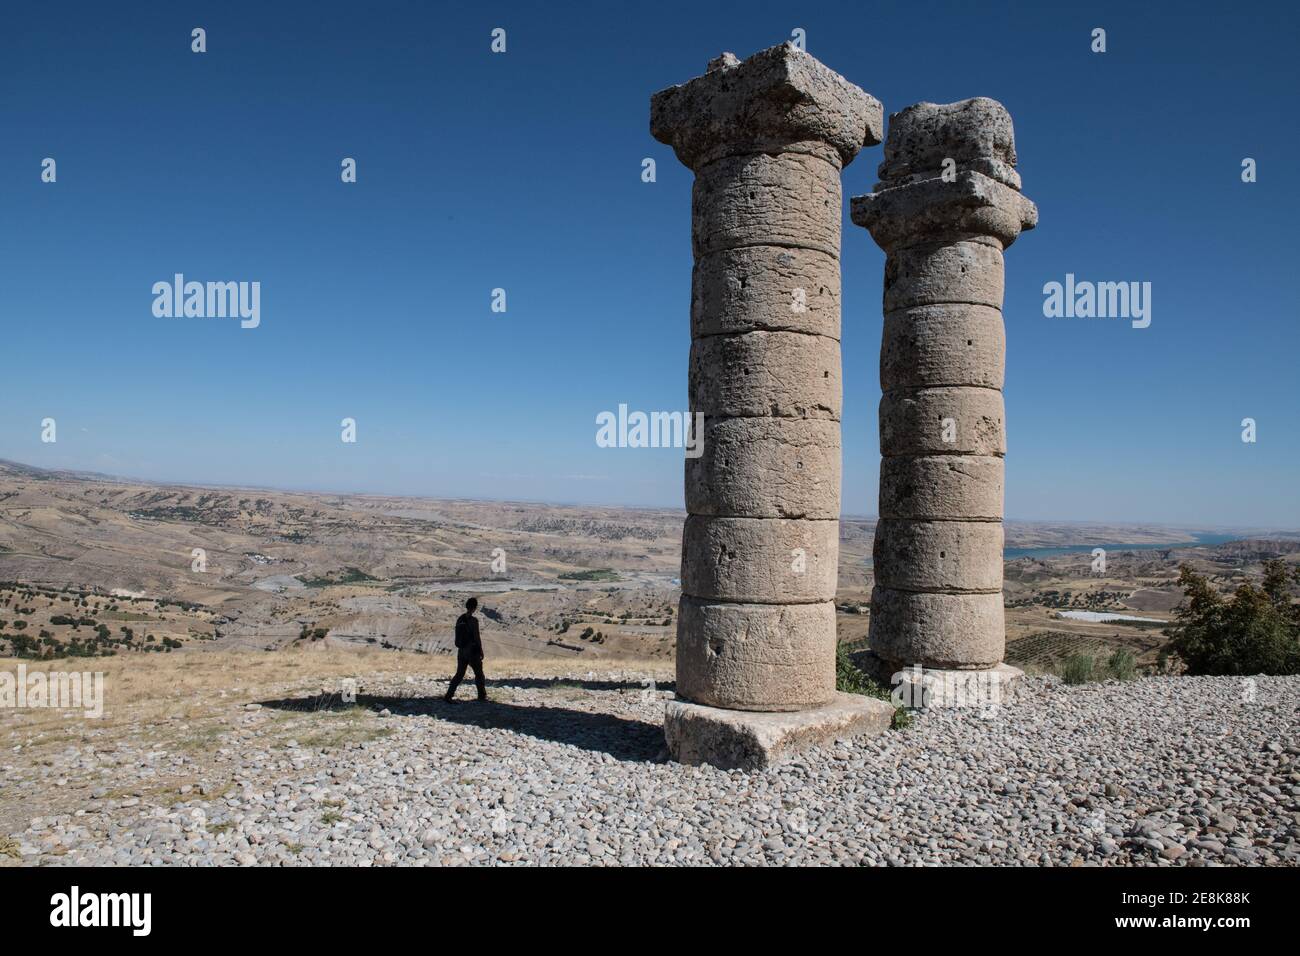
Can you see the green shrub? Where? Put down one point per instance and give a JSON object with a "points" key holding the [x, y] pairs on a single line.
{"points": [[1256, 631], [1077, 669], [1122, 665], [849, 679]]}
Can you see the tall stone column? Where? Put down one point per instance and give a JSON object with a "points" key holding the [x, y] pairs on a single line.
{"points": [[947, 205], [767, 139]]}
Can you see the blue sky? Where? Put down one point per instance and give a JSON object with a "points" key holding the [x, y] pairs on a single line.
{"points": [[522, 171]]}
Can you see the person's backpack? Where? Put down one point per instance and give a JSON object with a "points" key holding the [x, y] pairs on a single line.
{"points": [[464, 634]]}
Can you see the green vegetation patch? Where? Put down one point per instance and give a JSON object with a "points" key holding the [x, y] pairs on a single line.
{"points": [[592, 574], [850, 679], [346, 576], [1083, 668], [1255, 631]]}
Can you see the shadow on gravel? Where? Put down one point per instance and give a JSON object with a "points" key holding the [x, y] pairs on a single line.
{"points": [[543, 683], [621, 737]]}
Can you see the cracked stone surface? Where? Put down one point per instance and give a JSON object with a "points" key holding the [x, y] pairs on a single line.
{"points": [[767, 468]]}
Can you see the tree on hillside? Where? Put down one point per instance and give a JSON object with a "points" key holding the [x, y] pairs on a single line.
{"points": [[1255, 631]]}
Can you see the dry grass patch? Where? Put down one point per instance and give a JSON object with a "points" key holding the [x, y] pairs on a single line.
{"points": [[146, 697]]}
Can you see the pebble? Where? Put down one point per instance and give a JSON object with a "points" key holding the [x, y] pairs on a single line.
{"points": [[572, 771]]}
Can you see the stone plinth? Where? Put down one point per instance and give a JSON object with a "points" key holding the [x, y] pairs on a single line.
{"points": [[733, 739], [932, 688]]}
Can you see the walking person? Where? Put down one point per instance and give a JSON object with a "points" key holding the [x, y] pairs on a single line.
{"points": [[469, 651]]}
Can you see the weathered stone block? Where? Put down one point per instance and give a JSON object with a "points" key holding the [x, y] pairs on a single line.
{"points": [[739, 740], [772, 100], [942, 487], [937, 210], [947, 556], [935, 345], [969, 271], [941, 688], [975, 134], [939, 630], [755, 288], [790, 199], [755, 656], [776, 374], [921, 422], [764, 560], [766, 468], [927, 688]]}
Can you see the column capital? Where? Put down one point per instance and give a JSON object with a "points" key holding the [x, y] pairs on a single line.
{"points": [[778, 99], [972, 144]]}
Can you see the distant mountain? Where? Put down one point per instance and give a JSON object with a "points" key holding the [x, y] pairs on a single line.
{"points": [[16, 469], [1258, 549]]}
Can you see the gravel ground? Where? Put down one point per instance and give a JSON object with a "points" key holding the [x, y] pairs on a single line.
{"points": [[1158, 771]]}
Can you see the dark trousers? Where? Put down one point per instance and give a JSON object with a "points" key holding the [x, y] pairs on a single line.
{"points": [[463, 661]]}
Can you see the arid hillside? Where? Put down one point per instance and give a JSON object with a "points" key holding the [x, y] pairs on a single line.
{"points": [[91, 565]]}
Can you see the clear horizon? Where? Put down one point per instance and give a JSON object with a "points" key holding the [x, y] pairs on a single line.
{"points": [[522, 171], [576, 503]]}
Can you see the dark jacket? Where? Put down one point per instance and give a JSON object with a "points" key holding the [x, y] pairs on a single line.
{"points": [[468, 643]]}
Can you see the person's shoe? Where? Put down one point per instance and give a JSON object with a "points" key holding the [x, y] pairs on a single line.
{"points": [[483, 699], [449, 699]]}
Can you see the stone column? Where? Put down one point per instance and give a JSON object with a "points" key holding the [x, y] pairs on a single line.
{"points": [[946, 207], [767, 139]]}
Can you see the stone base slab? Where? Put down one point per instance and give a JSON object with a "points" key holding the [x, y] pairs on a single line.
{"points": [[752, 740], [921, 687]]}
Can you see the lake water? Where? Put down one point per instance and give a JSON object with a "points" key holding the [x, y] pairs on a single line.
{"points": [[1202, 539]]}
